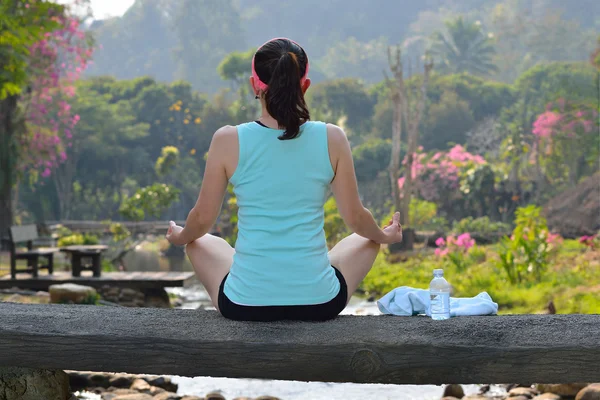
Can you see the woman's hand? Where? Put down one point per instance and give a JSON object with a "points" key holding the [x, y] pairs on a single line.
{"points": [[174, 234], [393, 231]]}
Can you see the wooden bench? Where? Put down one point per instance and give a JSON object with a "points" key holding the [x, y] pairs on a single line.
{"points": [[365, 349], [27, 234]]}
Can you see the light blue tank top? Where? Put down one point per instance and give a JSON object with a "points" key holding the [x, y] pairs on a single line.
{"points": [[281, 187]]}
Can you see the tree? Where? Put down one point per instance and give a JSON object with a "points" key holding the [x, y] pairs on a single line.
{"points": [[103, 131], [344, 101], [447, 122], [464, 47], [370, 158], [43, 51], [409, 106], [528, 33]]}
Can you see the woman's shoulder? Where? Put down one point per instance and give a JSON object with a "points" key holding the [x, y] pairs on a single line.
{"points": [[225, 135], [336, 135]]}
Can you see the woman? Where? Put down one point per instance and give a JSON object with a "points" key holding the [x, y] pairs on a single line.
{"points": [[282, 167]]}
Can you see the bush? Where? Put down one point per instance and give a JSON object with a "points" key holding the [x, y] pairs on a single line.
{"points": [[78, 239], [481, 226], [525, 254], [423, 216], [371, 157]]}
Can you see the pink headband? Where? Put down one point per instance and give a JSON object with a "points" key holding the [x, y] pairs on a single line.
{"points": [[263, 86]]}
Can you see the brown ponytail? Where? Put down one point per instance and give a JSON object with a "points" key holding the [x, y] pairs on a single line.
{"points": [[281, 64]]}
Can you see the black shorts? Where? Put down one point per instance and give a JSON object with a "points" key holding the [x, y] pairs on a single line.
{"points": [[312, 312]]}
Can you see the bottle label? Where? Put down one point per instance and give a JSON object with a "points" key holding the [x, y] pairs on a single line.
{"points": [[440, 303]]}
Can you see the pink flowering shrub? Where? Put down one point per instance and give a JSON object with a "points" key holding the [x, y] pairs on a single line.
{"points": [[455, 249], [591, 241], [567, 137], [436, 175], [55, 62]]}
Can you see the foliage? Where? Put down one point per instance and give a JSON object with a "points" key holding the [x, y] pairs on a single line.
{"points": [[236, 66], [169, 157], [228, 226], [345, 102], [423, 216], [482, 225], [463, 48], [148, 201], [454, 249], [526, 35], [370, 158], [447, 122], [571, 284], [525, 255], [567, 141], [335, 228], [78, 239], [438, 176]]}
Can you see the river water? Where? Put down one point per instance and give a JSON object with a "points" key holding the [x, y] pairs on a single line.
{"points": [[194, 296]]}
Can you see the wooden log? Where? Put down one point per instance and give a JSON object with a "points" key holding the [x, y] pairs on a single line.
{"points": [[367, 349]]}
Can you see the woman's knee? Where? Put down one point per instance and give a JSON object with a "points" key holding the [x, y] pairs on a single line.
{"points": [[193, 247]]}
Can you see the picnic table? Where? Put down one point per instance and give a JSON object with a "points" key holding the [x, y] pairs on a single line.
{"points": [[92, 254]]}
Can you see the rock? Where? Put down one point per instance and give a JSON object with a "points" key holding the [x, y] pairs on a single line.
{"points": [[122, 392], [100, 380], [112, 395], [563, 390], [591, 392], [154, 390], [167, 396], [547, 396], [519, 398], [72, 293], [157, 298], [454, 391], [242, 398], [97, 390], [449, 398], [194, 398], [78, 380], [42, 294], [140, 385], [475, 397], [15, 298], [137, 396], [163, 382], [121, 381], [522, 391], [128, 292], [214, 396], [33, 384]]}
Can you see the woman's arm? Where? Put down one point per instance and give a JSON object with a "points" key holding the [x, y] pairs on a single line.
{"points": [[345, 191], [208, 206]]}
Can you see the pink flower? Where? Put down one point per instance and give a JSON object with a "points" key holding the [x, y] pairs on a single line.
{"points": [[440, 242], [553, 238], [465, 241], [545, 124], [441, 252], [46, 173]]}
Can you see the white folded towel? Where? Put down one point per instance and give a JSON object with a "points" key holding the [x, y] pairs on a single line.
{"points": [[407, 301]]}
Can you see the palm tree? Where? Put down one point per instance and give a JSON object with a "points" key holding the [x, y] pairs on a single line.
{"points": [[464, 47]]}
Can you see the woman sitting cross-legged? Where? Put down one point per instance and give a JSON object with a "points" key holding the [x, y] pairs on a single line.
{"points": [[282, 167]]}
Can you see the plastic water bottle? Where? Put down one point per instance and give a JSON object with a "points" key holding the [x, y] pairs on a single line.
{"points": [[439, 293]]}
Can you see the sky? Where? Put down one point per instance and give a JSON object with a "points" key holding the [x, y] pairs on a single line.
{"points": [[104, 8]]}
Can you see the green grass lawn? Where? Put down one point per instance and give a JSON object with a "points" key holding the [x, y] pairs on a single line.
{"points": [[572, 281]]}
